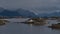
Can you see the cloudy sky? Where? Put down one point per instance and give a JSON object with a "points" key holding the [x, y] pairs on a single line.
{"points": [[38, 4]]}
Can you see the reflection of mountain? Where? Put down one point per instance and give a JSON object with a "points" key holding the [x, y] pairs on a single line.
{"points": [[19, 12]]}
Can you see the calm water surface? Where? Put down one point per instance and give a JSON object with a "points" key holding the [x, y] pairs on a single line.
{"points": [[20, 28]]}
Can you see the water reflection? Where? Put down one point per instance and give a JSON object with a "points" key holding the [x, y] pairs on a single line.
{"points": [[20, 28]]}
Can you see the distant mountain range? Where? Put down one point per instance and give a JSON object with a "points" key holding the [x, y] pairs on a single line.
{"points": [[50, 14], [18, 12], [25, 13]]}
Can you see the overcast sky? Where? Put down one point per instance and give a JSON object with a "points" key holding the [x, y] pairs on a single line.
{"points": [[42, 4]]}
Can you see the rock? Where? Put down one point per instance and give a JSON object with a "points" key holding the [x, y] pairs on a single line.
{"points": [[58, 23], [55, 26], [35, 21], [2, 22]]}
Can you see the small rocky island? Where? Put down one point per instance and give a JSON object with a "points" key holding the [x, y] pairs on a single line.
{"points": [[55, 26], [35, 21]]}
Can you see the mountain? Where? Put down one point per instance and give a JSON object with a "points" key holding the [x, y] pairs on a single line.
{"points": [[26, 13], [18, 12], [55, 14], [9, 13], [50, 14]]}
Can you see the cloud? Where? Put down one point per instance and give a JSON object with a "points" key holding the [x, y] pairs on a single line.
{"points": [[29, 3], [43, 5]]}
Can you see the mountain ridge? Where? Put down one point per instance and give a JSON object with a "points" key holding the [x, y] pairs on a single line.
{"points": [[26, 13], [18, 12]]}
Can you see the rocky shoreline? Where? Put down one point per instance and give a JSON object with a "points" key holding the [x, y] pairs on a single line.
{"points": [[3, 22]]}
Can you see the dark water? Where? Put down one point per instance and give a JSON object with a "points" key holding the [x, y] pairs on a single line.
{"points": [[20, 28]]}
